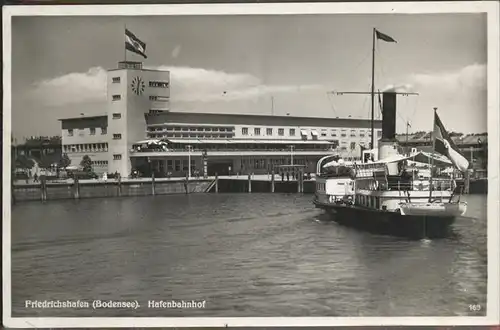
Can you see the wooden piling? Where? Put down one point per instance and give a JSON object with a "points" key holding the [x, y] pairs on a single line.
{"points": [[43, 189], [153, 183], [301, 173], [272, 181], [119, 185], [216, 183], [186, 184], [249, 182], [77, 187], [466, 183]]}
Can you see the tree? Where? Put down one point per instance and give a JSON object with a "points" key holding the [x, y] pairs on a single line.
{"points": [[45, 162], [24, 162], [86, 164], [64, 161]]}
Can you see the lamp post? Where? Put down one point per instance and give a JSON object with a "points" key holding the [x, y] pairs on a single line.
{"points": [[189, 161], [204, 156]]}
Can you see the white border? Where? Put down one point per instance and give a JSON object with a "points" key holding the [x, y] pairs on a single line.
{"points": [[489, 7]]}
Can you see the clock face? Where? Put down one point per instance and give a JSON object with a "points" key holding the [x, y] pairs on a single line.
{"points": [[138, 85]]}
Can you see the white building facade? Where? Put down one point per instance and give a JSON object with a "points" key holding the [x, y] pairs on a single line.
{"points": [[138, 111]]}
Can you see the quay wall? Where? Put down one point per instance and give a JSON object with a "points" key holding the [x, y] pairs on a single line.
{"points": [[147, 187], [100, 189]]}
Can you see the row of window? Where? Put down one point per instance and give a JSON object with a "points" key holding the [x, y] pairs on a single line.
{"points": [[92, 131], [368, 201], [178, 165], [324, 133], [100, 162], [191, 129], [260, 164], [85, 147], [185, 135], [269, 131], [161, 84], [118, 97]]}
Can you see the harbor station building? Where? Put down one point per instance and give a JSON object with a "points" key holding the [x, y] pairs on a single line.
{"points": [[140, 133]]}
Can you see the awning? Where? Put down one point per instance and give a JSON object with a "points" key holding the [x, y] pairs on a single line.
{"points": [[303, 132], [420, 157], [150, 142], [314, 133]]}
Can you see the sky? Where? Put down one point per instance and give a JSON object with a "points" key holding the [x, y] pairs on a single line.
{"points": [[279, 64]]}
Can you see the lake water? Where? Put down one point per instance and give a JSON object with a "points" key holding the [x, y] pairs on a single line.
{"points": [[243, 254]]}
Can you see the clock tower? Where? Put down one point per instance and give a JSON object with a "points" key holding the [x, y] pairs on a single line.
{"points": [[132, 91]]}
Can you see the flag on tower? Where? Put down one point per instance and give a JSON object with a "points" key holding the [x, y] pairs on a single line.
{"points": [[384, 37], [444, 145], [134, 44]]}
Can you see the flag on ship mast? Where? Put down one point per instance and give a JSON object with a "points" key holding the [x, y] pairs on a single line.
{"points": [[384, 37], [134, 44], [444, 145]]}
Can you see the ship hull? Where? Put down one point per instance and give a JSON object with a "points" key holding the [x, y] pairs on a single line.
{"points": [[389, 223]]}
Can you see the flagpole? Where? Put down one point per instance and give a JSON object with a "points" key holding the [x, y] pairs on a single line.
{"points": [[407, 147], [373, 91], [125, 41], [432, 158]]}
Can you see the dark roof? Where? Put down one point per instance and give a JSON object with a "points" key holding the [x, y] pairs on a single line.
{"points": [[257, 119], [83, 117]]}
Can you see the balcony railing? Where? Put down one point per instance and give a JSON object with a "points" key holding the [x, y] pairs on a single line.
{"points": [[173, 150]]}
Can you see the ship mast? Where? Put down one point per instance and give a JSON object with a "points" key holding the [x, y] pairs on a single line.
{"points": [[432, 155], [372, 145]]}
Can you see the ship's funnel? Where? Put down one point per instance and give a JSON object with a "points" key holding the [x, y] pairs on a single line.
{"points": [[389, 115]]}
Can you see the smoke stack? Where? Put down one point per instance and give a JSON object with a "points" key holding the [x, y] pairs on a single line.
{"points": [[389, 115]]}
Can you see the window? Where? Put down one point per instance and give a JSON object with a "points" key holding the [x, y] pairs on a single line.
{"points": [[161, 84], [117, 156], [281, 131], [117, 136], [92, 131], [155, 112], [116, 97], [117, 115], [116, 80], [334, 133], [292, 131], [353, 133], [256, 131], [170, 165], [104, 131], [344, 133], [353, 145], [379, 133], [244, 131], [269, 131], [70, 132]]}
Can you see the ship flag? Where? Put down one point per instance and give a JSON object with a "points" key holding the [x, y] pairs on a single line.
{"points": [[384, 37], [134, 44], [444, 145]]}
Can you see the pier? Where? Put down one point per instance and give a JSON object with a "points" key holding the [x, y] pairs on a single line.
{"points": [[257, 183]]}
